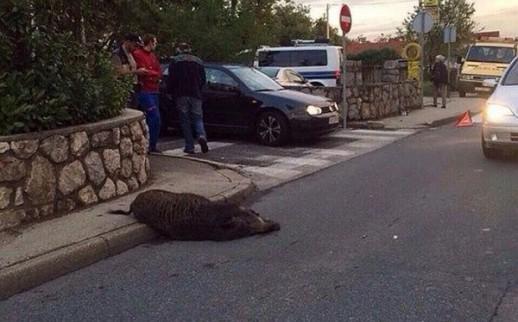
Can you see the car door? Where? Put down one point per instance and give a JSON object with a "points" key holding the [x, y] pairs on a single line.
{"points": [[223, 104]]}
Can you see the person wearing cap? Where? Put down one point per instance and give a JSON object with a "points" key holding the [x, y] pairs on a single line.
{"points": [[149, 86], [125, 65], [440, 80], [185, 83]]}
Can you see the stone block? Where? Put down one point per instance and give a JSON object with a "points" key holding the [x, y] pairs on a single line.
{"points": [[4, 147], [56, 147], [95, 168], [72, 177], [24, 149], [108, 190], [5, 197], [102, 139], [11, 218], [112, 160], [40, 186], [87, 196], [79, 143]]}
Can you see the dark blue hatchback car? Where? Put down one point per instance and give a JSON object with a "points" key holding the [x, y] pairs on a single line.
{"points": [[244, 100]]}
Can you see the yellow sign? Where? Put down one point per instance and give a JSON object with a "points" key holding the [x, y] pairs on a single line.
{"points": [[412, 51], [430, 3], [414, 70]]}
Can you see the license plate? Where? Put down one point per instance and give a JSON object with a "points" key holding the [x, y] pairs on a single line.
{"points": [[333, 120], [482, 89]]}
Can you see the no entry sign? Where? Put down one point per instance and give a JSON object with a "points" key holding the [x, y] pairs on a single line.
{"points": [[345, 19]]}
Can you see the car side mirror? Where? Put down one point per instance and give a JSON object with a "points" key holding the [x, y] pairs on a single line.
{"points": [[489, 83]]}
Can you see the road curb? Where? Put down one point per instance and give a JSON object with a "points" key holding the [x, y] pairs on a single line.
{"points": [[35, 271], [38, 270]]}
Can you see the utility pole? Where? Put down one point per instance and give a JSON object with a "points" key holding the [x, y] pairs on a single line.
{"points": [[327, 20]]}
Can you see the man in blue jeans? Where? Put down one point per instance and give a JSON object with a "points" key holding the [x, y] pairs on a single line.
{"points": [[185, 83]]}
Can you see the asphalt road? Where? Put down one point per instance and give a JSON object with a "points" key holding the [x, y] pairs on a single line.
{"points": [[423, 229]]}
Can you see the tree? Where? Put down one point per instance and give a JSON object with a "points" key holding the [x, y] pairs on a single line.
{"points": [[320, 31], [458, 13]]}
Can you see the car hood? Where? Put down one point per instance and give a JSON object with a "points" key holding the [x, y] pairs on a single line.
{"points": [[506, 95], [295, 97]]}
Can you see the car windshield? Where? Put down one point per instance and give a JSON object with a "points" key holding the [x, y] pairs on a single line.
{"points": [[270, 72], [255, 80], [491, 54], [511, 78]]}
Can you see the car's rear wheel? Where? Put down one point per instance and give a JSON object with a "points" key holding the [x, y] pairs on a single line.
{"points": [[271, 128], [489, 153]]}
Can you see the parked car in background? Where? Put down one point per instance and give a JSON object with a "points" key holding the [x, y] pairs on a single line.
{"points": [[500, 116], [242, 99], [285, 76], [319, 63]]}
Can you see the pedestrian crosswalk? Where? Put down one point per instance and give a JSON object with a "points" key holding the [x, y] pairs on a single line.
{"points": [[269, 166]]}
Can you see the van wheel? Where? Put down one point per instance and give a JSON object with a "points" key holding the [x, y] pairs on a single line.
{"points": [[271, 128]]}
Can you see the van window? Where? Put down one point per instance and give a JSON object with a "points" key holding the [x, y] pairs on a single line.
{"points": [[293, 58], [491, 54]]}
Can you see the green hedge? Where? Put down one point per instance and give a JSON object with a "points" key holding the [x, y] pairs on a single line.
{"points": [[375, 56], [48, 79]]}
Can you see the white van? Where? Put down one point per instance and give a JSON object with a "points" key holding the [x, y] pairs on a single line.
{"points": [[319, 64]]}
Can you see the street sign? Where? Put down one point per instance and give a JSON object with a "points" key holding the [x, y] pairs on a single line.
{"points": [[422, 23], [345, 19], [412, 51], [430, 3], [450, 34]]}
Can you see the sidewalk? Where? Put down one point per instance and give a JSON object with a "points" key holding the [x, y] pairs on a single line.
{"points": [[33, 255], [431, 116]]}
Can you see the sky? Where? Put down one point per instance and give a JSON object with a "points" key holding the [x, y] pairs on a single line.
{"points": [[373, 17]]}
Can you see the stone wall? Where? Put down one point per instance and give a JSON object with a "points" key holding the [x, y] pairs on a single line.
{"points": [[371, 101], [54, 172]]}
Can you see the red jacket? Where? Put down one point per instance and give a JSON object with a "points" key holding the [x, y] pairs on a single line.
{"points": [[146, 59]]}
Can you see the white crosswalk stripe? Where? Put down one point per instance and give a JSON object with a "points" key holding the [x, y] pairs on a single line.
{"points": [[271, 166]]}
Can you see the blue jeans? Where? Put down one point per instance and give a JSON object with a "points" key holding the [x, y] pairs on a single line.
{"points": [[148, 103], [191, 118]]}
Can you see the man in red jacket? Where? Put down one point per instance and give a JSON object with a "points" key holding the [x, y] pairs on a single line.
{"points": [[149, 83]]}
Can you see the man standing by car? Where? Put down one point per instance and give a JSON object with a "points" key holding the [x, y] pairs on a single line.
{"points": [[149, 83], [440, 80], [185, 83], [125, 65]]}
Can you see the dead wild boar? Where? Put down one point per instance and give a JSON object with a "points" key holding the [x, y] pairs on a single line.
{"points": [[186, 216]]}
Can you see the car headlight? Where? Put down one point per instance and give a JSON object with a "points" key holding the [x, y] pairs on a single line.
{"points": [[335, 106], [313, 110], [495, 112]]}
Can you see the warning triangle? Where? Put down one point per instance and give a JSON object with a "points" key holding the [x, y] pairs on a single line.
{"points": [[465, 120]]}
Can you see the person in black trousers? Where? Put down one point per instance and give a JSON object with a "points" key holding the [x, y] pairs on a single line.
{"points": [[440, 80]]}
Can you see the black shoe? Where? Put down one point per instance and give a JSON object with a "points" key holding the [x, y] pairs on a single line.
{"points": [[443, 106], [188, 151], [203, 144]]}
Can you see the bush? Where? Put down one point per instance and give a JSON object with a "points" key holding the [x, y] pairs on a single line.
{"points": [[52, 80], [375, 56]]}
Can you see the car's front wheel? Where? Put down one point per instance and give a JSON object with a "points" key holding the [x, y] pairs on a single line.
{"points": [[489, 153], [271, 128]]}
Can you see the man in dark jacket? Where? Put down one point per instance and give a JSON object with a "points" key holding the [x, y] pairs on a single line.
{"points": [[185, 83], [440, 80]]}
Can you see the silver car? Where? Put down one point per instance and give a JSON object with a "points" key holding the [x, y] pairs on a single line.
{"points": [[500, 117]]}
